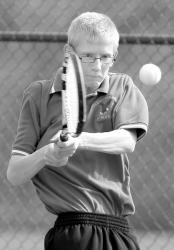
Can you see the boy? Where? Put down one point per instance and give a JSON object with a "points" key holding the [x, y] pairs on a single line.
{"points": [[85, 181]]}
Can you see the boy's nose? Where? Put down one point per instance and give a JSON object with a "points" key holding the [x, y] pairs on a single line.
{"points": [[97, 63]]}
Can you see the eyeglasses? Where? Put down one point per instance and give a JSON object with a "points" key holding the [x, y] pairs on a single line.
{"points": [[92, 59]]}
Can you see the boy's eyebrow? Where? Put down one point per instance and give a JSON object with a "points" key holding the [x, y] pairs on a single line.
{"points": [[94, 54]]}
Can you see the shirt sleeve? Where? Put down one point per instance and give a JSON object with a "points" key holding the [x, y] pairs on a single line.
{"points": [[28, 131], [132, 111]]}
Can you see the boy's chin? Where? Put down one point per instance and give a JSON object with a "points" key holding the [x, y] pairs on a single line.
{"points": [[93, 88]]}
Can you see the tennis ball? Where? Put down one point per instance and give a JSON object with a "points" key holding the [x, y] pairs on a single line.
{"points": [[150, 74]]}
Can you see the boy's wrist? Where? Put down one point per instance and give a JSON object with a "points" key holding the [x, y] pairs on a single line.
{"points": [[83, 142]]}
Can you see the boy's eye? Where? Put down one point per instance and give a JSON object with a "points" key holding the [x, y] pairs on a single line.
{"points": [[88, 58]]}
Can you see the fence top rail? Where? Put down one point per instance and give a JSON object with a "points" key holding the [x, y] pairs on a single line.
{"points": [[28, 36]]}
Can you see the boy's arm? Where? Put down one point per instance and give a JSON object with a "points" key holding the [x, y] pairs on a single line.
{"points": [[22, 168], [113, 142]]}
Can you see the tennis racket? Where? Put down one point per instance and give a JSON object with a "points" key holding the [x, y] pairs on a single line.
{"points": [[73, 97]]}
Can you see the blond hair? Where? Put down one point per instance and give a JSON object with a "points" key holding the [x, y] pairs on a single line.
{"points": [[94, 26]]}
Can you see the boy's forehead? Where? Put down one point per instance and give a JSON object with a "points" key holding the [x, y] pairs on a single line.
{"points": [[102, 45]]}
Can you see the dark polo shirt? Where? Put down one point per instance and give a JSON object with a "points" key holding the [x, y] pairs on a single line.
{"points": [[91, 181]]}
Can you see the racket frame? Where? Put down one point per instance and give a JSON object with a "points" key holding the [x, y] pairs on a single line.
{"points": [[81, 94]]}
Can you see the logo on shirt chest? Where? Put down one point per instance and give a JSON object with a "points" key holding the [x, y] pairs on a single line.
{"points": [[105, 115]]}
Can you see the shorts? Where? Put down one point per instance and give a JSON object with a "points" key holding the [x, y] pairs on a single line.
{"points": [[90, 231]]}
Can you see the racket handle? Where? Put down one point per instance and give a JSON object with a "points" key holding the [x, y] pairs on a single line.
{"points": [[64, 136]]}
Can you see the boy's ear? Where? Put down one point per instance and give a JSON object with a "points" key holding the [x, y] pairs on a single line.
{"points": [[115, 57]]}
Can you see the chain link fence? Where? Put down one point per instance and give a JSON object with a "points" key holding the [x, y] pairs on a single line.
{"points": [[23, 219]]}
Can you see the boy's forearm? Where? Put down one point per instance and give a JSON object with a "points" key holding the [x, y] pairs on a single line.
{"points": [[23, 168], [113, 142]]}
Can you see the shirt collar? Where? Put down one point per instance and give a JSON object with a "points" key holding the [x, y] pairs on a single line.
{"points": [[56, 86], [56, 83]]}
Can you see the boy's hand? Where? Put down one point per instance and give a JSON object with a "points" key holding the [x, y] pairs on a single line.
{"points": [[57, 153]]}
